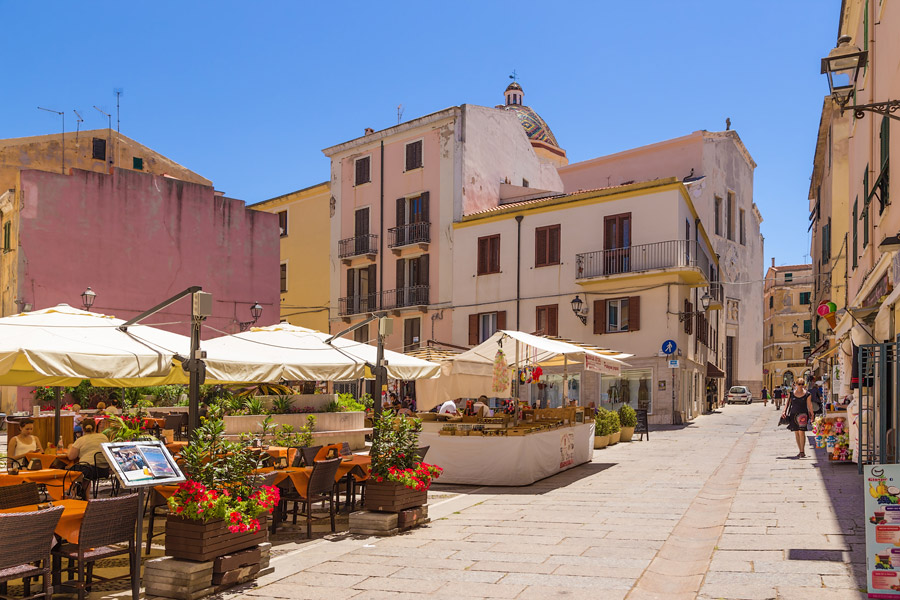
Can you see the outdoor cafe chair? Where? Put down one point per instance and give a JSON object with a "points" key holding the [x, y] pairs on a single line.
{"points": [[345, 449], [176, 422], [108, 523], [319, 489], [21, 494], [309, 455], [25, 550]]}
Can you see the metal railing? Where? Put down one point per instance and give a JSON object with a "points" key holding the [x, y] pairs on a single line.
{"points": [[404, 235], [358, 245], [644, 257], [416, 295], [354, 305]]}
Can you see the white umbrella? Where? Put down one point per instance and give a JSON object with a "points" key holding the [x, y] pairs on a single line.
{"points": [[288, 352]]}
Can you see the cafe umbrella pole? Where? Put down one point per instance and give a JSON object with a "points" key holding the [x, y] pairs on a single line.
{"points": [[57, 426]]}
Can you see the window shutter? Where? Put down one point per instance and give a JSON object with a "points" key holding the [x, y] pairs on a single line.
{"points": [[494, 263], [634, 313], [553, 245], [599, 316], [425, 211], [401, 212], [552, 324], [473, 330], [410, 156], [483, 244], [401, 267], [423, 270], [501, 319], [688, 318], [540, 247], [350, 281], [372, 287]]}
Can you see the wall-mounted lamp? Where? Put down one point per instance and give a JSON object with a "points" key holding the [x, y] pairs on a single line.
{"points": [[580, 312], [256, 313], [87, 298]]}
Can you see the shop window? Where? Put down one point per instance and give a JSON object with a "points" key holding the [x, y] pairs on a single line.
{"points": [[489, 254], [546, 320], [363, 174], [283, 223], [484, 325], [414, 155], [546, 246], [634, 387]]}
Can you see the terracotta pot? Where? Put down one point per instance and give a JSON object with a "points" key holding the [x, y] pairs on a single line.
{"points": [[625, 434], [601, 441], [614, 438], [196, 540], [389, 496]]}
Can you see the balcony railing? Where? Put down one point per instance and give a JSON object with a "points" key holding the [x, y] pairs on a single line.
{"points": [[416, 295], [354, 305], [405, 235], [358, 245], [644, 257]]}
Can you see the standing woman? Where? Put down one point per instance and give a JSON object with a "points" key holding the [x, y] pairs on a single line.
{"points": [[799, 411]]}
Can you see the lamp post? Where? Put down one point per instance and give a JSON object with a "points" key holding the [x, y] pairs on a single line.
{"points": [[87, 298], [256, 313], [577, 305], [842, 67]]}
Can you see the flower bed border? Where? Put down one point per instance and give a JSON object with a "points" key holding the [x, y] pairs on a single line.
{"points": [[202, 541], [389, 496]]}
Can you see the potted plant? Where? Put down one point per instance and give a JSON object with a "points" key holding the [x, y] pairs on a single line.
{"points": [[628, 421], [601, 429], [612, 419], [399, 480]]}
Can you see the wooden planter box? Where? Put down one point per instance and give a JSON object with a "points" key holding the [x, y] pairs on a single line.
{"points": [[196, 540], [389, 496]]}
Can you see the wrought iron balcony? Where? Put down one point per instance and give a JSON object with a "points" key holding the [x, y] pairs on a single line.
{"points": [[644, 257], [360, 245], [416, 295], [354, 305], [407, 235]]}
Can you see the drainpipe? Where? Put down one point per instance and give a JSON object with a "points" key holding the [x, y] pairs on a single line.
{"points": [[518, 265], [381, 233]]}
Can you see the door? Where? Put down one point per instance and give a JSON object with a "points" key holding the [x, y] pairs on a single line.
{"points": [[361, 231], [617, 244], [879, 426]]}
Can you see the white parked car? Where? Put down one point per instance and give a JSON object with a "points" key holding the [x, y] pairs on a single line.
{"points": [[739, 393]]}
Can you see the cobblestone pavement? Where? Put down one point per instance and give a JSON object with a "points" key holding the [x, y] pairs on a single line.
{"points": [[716, 509]]}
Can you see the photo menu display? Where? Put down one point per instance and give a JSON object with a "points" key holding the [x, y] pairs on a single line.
{"points": [[142, 463]]}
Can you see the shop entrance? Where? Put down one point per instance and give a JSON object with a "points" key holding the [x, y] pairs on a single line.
{"points": [[879, 426]]}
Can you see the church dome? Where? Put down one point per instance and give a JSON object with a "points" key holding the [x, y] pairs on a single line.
{"points": [[537, 130]]}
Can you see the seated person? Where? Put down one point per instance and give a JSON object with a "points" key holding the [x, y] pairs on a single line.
{"points": [[25, 442], [448, 408], [84, 449], [405, 410], [392, 402], [481, 407], [76, 408]]}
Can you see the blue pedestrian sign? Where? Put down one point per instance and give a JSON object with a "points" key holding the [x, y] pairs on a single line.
{"points": [[669, 347]]}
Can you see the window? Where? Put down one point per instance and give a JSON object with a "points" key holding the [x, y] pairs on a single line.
{"points": [[689, 317], [361, 293], [617, 315], [137, 163], [788, 277], [7, 236], [743, 231], [411, 329], [412, 281], [283, 277], [771, 330], [718, 216], [414, 155], [484, 325], [855, 226], [826, 242], [98, 149], [362, 171], [804, 297], [489, 254], [524, 182], [413, 220], [729, 217], [546, 246], [546, 320], [806, 351], [771, 301], [282, 223], [807, 326], [361, 335]]}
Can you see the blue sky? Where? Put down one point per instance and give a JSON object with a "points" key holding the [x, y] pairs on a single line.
{"points": [[248, 93]]}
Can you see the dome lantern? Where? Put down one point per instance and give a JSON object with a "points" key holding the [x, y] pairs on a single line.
{"points": [[513, 94]]}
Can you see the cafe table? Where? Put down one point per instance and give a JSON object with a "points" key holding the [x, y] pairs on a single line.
{"points": [[52, 478], [48, 457], [69, 523]]}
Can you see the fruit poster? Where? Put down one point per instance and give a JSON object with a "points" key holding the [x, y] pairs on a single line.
{"points": [[882, 504]]}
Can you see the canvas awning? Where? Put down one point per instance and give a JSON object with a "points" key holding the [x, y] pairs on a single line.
{"points": [[714, 372]]}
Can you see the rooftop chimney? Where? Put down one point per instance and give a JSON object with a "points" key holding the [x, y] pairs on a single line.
{"points": [[369, 131], [773, 262]]}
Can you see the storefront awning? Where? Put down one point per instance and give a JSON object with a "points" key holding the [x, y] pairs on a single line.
{"points": [[713, 371]]}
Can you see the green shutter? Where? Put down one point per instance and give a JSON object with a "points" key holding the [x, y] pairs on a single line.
{"points": [[885, 140], [855, 226]]}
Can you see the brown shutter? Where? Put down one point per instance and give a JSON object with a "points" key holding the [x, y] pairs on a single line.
{"points": [[553, 245], [552, 320], [483, 255], [350, 281], [634, 313], [599, 316], [494, 262], [501, 319], [373, 294], [423, 279], [537, 319], [473, 330], [401, 264], [425, 210], [401, 211], [540, 247]]}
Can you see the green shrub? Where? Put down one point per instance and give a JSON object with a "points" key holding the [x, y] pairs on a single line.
{"points": [[601, 426], [345, 403], [281, 405], [286, 436], [612, 419], [255, 406], [627, 416]]}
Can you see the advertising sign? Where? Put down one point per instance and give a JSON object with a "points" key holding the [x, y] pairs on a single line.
{"points": [[598, 365], [139, 463], [882, 505]]}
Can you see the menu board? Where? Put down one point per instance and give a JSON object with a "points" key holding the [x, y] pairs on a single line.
{"points": [[142, 463], [882, 505]]}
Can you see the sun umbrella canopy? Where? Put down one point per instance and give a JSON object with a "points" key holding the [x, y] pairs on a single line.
{"points": [[62, 345], [288, 352]]}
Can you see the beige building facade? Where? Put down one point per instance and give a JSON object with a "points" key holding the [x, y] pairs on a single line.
{"points": [[788, 323]]}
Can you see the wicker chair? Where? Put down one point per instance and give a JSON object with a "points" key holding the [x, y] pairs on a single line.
{"points": [[176, 422], [345, 449], [309, 455], [106, 522], [25, 551], [320, 489], [22, 494]]}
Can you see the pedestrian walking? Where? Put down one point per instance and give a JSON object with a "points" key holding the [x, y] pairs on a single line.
{"points": [[798, 411], [777, 393], [765, 396]]}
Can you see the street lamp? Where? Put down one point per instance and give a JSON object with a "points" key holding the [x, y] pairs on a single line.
{"points": [[705, 300], [256, 313], [576, 308], [842, 66], [87, 298]]}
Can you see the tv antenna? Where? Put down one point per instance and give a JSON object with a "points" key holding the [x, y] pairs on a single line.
{"points": [[63, 115], [108, 130], [118, 92], [399, 113], [78, 123]]}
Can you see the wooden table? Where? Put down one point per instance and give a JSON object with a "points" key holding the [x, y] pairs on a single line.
{"points": [[69, 524], [176, 447], [52, 478]]}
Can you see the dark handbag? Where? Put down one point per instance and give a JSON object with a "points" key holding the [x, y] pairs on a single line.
{"points": [[784, 420]]}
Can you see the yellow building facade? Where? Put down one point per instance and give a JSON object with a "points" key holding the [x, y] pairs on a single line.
{"points": [[304, 216], [787, 301]]}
